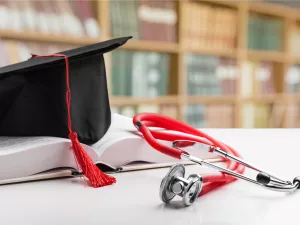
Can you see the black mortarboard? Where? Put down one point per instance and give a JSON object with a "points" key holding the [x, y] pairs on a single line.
{"points": [[34, 93]]}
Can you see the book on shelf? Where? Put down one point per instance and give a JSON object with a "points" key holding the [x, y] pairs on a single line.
{"points": [[205, 25], [194, 115], [257, 78], [139, 74], [264, 115], [278, 114], [4, 14], [34, 158], [169, 110], [264, 33], [210, 75], [158, 20], [292, 119], [264, 82], [255, 115], [219, 116], [131, 110], [288, 3], [88, 19], [294, 44], [292, 79], [123, 16], [210, 115], [145, 20], [15, 19]]}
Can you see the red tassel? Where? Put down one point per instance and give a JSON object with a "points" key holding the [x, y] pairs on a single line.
{"points": [[96, 177]]}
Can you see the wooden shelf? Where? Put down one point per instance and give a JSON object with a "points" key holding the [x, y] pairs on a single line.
{"points": [[228, 3], [38, 37], [287, 14], [72, 40], [292, 98], [154, 46], [211, 99], [211, 51], [267, 56], [264, 99], [295, 59], [272, 9], [120, 101]]}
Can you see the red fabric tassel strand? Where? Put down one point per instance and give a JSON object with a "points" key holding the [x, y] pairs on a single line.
{"points": [[96, 177]]}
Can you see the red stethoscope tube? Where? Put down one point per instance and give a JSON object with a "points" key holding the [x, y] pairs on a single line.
{"points": [[145, 120]]}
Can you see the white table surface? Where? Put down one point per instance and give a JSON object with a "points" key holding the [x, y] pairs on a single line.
{"points": [[135, 199]]}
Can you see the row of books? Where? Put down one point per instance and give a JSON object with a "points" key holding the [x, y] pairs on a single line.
{"points": [[144, 19], [210, 75], [130, 110], [271, 115], [292, 119], [209, 26], [16, 51], [50, 17], [210, 116], [139, 74], [264, 33], [289, 3], [222, 115], [294, 43], [257, 78]]}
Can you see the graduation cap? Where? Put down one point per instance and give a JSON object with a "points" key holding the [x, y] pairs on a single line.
{"points": [[61, 95]]}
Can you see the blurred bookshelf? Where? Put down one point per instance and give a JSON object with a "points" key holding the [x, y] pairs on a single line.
{"points": [[210, 63]]}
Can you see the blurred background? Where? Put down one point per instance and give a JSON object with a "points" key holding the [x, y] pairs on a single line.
{"points": [[210, 63]]}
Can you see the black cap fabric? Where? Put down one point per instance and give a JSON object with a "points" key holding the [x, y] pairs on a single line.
{"points": [[33, 94]]}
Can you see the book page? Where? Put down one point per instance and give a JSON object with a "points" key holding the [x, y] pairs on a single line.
{"points": [[15, 144], [121, 128], [24, 156], [123, 144]]}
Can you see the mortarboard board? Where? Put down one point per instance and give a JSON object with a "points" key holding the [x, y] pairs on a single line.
{"points": [[36, 100]]}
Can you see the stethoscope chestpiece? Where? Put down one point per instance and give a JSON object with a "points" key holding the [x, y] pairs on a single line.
{"points": [[174, 184]]}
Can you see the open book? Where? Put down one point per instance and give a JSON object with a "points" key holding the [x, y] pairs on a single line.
{"points": [[121, 149]]}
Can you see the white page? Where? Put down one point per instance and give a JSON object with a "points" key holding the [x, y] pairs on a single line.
{"points": [[24, 156], [123, 144]]}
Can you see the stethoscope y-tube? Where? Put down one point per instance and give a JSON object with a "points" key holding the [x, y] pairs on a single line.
{"points": [[175, 183]]}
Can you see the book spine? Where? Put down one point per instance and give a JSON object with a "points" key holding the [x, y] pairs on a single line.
{"points": [[128, 73], [139, 72], [135, 22], [251, 31], [4, 60], [88, 19], [116, 71], [4, 15], [115, 18], [15, 21], [164, 84]]}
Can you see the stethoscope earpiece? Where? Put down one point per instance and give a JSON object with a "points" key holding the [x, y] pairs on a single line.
{"points": [[174, 184]]}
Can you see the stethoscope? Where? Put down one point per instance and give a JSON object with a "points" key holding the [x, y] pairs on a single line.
{"points": [[175, 183]]}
